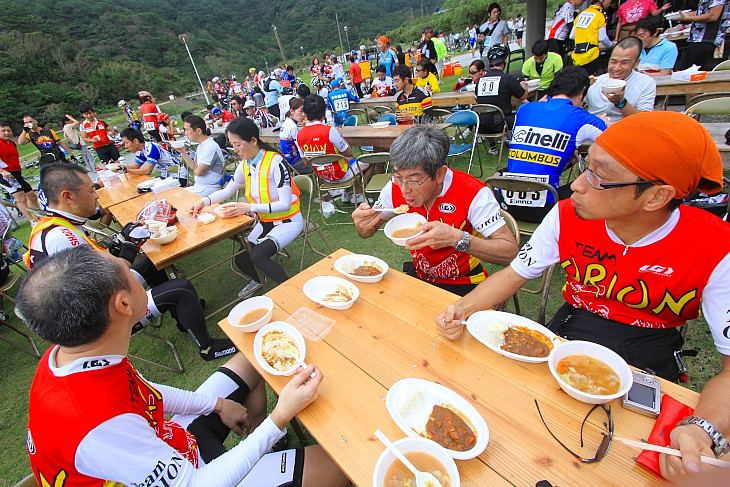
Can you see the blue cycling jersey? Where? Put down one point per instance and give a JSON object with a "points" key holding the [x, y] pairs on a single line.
{"points": [[339, 102], [546, 135], [160, 158], [288, 142], [388, 59]]}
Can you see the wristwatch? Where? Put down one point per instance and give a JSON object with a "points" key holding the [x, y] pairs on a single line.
{"points": [[620, 104], [720, 445], [462, 245]]}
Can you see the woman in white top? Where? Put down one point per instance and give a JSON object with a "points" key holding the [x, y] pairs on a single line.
{"points": [[265, 179], [74, 139], [288, 136]]}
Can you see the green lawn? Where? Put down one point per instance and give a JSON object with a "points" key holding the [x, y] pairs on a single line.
{"points": [[221, 286]]}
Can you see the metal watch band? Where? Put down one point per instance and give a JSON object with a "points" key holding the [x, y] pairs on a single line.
{"points": [[463, 244], [720, 445]]}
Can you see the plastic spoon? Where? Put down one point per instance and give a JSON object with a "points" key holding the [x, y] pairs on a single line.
{"points": [[398, 211], [423, 479], [304, 366]]}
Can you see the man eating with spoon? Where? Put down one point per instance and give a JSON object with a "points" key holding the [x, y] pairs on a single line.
{"points": [[463, 224]]}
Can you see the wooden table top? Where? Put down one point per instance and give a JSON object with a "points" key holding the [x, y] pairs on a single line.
{"points": [[715, 81], [389, 334], [445, 98], [359, 135], [120, 190], [193, 235]]}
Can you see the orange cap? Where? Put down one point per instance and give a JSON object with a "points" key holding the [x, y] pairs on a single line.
{"points": [[669, 146], [382, 39]]}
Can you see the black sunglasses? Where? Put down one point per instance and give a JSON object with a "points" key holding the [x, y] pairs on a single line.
{"points": [[605, 444], [473, 72]]}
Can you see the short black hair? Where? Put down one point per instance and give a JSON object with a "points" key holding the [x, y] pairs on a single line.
{"points": [[640, 188], [58, 177], [540, 48], [303, 90], [314, 107], [196, 123], [650, 24], [631, 42], [3, 123], [494, 5], [238, 99], [185, 114], [65, 298], [569, 81], [210, 107], [381, 69], [402, 72], [132, 134], [85, 107]]}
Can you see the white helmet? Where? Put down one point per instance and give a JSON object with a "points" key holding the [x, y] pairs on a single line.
{"points": [[121, 103], [215, 79]]}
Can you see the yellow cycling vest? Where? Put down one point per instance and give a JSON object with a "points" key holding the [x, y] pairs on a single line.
{"points": [[48, 222], [264, 169], [587, 25]]}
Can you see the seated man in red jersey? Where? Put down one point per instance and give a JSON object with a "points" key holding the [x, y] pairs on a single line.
{"points": [[464, 225], [113, 428], [635, 271], [317, 138]]}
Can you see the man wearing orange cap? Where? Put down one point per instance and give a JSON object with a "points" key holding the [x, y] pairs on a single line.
{"points": [[633, 272], [386, 55]]}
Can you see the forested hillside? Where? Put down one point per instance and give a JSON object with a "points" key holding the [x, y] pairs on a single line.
{"points": [[57, 53]]}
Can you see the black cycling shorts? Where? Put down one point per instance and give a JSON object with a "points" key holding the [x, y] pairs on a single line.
{"points": [[24, 185], [107, 153]]}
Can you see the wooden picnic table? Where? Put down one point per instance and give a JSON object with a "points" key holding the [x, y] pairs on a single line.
{"points": [[362, 135], [120, 189], [715, 81], [389, 334], [193, 235], [443, 99]]}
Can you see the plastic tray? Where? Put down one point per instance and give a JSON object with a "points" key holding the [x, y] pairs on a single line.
{"points": [[313, 325]]}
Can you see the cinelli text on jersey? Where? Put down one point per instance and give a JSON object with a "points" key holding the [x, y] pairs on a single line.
{"points": [[541, 137]]}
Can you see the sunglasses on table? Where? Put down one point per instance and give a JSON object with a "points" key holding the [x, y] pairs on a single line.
{"points": [[606, 439]]}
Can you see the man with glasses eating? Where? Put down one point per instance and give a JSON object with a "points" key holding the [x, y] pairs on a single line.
{"points": [[638, 263], [463, 225]]}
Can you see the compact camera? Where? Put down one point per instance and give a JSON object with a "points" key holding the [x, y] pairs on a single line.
{"points": [[645, 395]]}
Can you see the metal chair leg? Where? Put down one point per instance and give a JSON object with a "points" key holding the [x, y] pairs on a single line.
{"points": [[35, 353], [180, 369]]}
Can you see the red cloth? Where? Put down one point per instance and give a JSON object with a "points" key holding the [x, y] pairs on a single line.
{"points": [[356, 73], [672, 412], [9, 155], [97, 127]]}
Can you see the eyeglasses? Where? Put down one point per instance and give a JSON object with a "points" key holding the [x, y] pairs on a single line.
{"points": [[419, 69], [595, 180], [605, 444], [473, 72], [408, 184]]}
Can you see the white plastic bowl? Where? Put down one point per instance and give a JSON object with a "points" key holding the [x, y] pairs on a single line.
{"points": [[532, 83], [251, 304], [346, 264], [407, 445], [177, 144], [171, 236], [318, 288], [610, 85], [289, 330], [609, 357], [409, 220]]}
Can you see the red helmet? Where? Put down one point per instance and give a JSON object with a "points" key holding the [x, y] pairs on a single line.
{"points": [[143, 94], [164, 117]]}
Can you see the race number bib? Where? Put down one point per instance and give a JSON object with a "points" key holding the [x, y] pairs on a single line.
{"points": [[584, 20], [535, 199], [341, 105], [488, 86], [149, 125], [487, 40]]}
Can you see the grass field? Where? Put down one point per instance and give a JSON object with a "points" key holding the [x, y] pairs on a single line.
{"points": [[221, 286]]}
